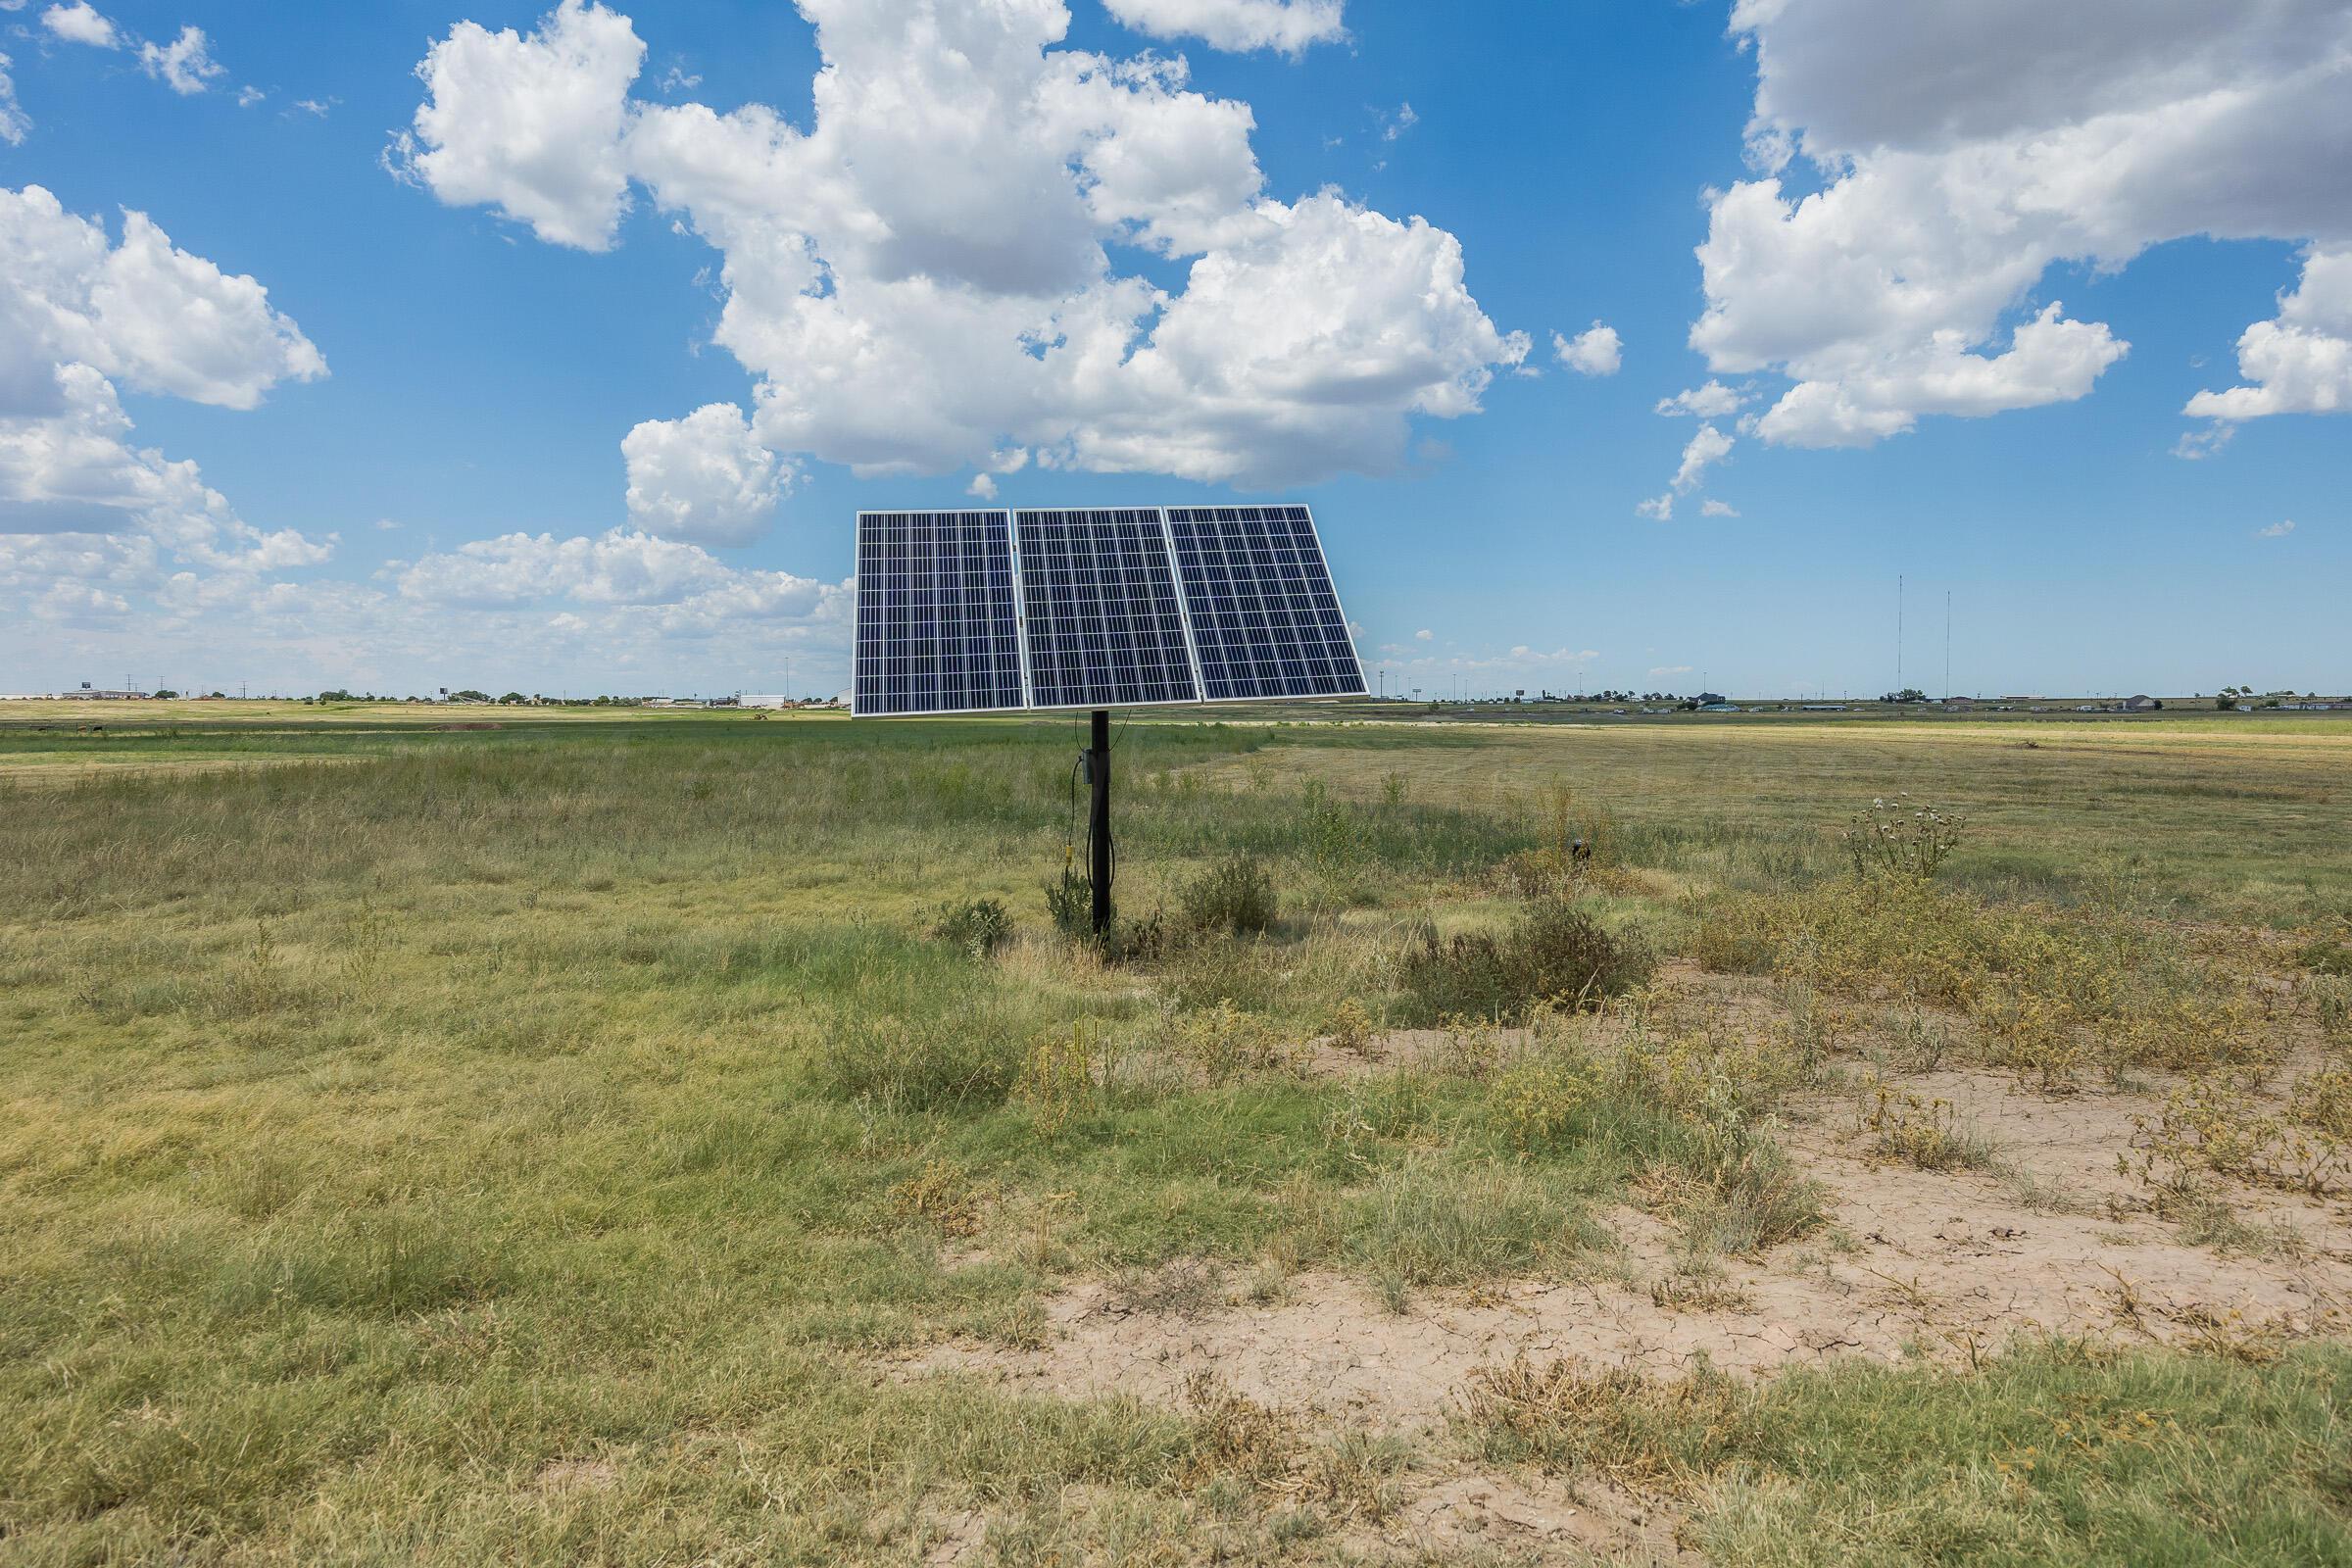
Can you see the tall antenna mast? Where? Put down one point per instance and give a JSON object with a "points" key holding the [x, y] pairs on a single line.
{"points": [[1947, 644], [1898, 631]]}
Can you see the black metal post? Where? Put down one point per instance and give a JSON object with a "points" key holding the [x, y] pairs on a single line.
{"points": [[1098, 851]]}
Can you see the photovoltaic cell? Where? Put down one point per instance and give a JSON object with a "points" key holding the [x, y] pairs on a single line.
{"points": [[1103, 624], [936, 625], [1265, 619]]}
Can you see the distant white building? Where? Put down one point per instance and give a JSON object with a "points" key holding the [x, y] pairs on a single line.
{"points": [[764, 700]]}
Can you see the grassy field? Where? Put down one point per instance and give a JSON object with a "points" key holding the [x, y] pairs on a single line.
{"points": [[552, 1142]]}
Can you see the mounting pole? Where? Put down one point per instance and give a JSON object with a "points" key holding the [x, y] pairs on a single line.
{"points": [[1097, 842]]}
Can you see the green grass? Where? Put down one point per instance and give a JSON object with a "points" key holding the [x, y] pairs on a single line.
{"points": [[2043, 1455], [455, 1145]]}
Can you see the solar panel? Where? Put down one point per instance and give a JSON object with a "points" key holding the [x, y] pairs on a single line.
{"points": [[1103, 625], [986, 611], [1265, 618], [937, 627]]}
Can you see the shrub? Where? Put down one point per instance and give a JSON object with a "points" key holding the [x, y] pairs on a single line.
{"points": [[1235, 896], [1554, 955], [979, 926]]}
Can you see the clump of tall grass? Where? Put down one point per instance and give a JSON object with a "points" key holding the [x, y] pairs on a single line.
{"points": [[1555, 953], [977, 926], [962, 1059], [1691, 1113], [1428, 1223], [1613, 1421]]}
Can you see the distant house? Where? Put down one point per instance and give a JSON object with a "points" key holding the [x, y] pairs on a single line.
{"points": [[1958, 705], [1712, 699], [2141, 704]]}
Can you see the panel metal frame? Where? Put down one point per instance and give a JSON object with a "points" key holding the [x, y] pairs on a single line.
{"points": [[1191, 647]]}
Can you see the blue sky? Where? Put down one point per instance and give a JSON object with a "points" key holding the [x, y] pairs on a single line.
{"points": [[493, 294]]}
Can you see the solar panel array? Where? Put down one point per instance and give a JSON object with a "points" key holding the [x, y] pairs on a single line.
{"points": [[986, 611]]}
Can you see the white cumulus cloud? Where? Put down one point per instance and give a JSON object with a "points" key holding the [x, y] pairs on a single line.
{"points": [[185, 65], [1717, 509], [2276, 530], [88, 518], [1286, 26], [1714, 400], [703, 479], [14, 122], [531, 126], [1963, 147], [1596, 350], [80, 22], [143, 309], [1658, 509], [1709, 446], [920, 278], [2301, 362]]}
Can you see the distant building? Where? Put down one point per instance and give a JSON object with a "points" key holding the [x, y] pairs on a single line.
{"points": [[747, 700], [89, 694], [2141, 704]]}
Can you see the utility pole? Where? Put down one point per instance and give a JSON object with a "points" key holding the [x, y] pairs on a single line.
{"points": [[1947, 645], [1898, 631]]}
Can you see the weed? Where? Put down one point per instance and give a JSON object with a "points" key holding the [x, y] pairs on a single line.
{"points": [[1896, 840], [977, 926], [2328, 951], [1236, 897], [1926, 1134], [1699, 1284], [941, 1193], [1070, 905], [1538, 1099], [1424, 1223], [2332, 1004], [1351, 1028], [1613, 1421], [1059, 1073], [1185, 1287], [2210, 1127], [1555, 953], [1225, 1040], [1234, 1436]]}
